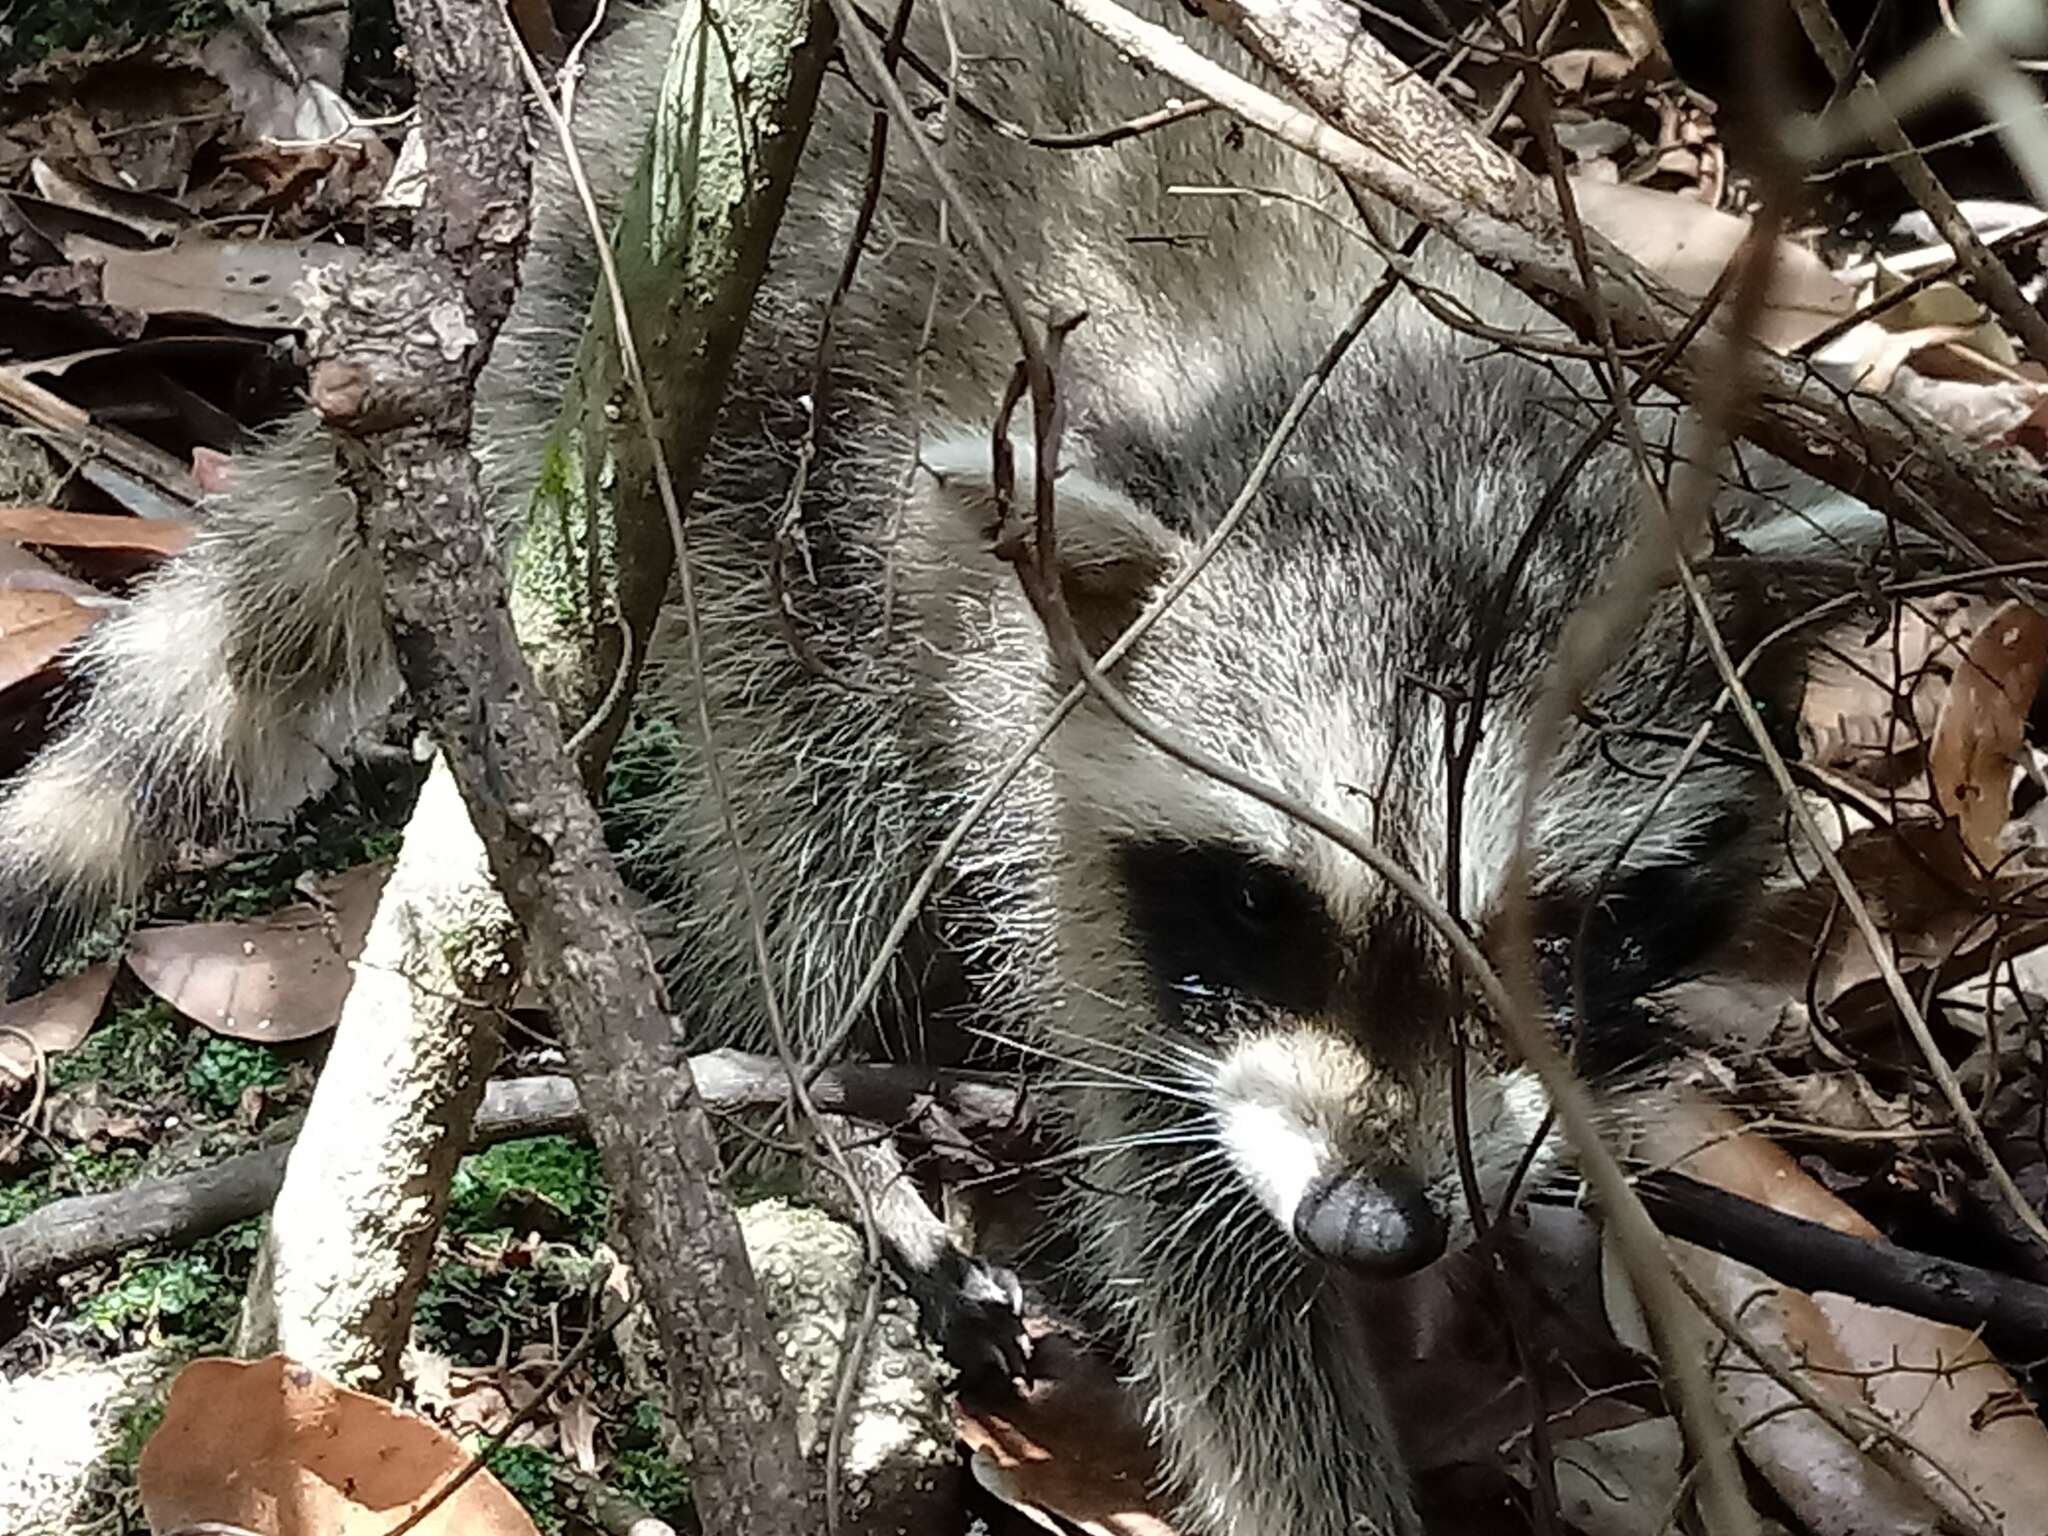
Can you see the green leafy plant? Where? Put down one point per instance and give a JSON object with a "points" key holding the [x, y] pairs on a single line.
{"points": [[142, 1049], [565, 1173], [222, 1069], [32, 30], [529, 1476], [192, 1298]]}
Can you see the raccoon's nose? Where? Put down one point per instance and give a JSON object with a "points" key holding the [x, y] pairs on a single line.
{"points": [[1379, 1223]]}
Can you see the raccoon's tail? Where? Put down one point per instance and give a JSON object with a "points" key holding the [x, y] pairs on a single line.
{"points": [[225, 693], [247, 671]]}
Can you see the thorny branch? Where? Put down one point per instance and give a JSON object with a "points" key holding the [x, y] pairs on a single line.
{"points": [[398, 347]]}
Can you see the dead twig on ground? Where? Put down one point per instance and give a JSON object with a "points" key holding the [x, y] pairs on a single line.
{"points": [[967, 1128]]}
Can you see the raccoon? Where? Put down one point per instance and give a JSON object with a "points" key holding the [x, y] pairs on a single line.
{"points": [[1255, 1048]]}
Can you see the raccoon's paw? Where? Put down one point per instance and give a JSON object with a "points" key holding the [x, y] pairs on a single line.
{"points": [[975, 1313]]}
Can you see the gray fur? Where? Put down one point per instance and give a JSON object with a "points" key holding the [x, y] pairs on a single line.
{"points": [[1300, 655]]}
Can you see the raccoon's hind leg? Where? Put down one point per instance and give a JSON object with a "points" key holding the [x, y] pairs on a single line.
{"points": [[223, 695]]}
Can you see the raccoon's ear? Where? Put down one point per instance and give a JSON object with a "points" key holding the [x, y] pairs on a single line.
{"points": [[1112, 552]]}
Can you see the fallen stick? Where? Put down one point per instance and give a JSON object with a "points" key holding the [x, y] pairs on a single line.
{"points": [[2011, 1313], [972, 1127], [965, 1123]]}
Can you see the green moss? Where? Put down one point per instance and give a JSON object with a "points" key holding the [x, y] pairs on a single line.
{"points": [[222, 1069], [551, 561], [191, 1298], [528, 1474], [80, 1171], [565, 1173], [140, 1051], [654, 1482], [466, 1308], [32, 30], [260, 883], [132, 1430], [23, 1196]]}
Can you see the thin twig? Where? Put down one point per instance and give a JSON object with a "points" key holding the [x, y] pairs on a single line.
{"points": [[1987, 273], [1859, 913], [613, 1316]]}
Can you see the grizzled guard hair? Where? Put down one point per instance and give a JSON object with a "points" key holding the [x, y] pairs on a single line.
{"points": [[1255, 1047]]}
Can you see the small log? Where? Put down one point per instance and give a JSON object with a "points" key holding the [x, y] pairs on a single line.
{"points": [[966, 1124]]}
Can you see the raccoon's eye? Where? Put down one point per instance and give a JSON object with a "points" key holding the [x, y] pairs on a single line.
{"points": [[1211, 918], [1262, 897], [1647, 929]]}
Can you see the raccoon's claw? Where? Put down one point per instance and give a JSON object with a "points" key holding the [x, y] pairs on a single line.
{"points": [[976, 1315]]}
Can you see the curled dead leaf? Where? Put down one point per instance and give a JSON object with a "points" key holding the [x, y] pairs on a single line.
{"points": [[36, 628], [1688, 244], [1070, 1444], [1982, 725], [95, 530], [53, 1020], [1937, 1387], [271, 1446]]}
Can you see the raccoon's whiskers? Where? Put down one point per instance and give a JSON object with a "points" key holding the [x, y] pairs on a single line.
{"points": [[1096, 1074]]}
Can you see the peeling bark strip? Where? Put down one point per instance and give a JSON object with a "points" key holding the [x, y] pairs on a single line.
{"points": [[398, 343]]}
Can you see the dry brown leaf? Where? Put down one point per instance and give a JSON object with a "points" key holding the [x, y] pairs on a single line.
{"points": [[577, 1424], [241, 282], [95, 530], [271, 1446], [1576, 69], [150, 216], [1850, 712], [21, 571], [1688, 243], [1936, 1385], [54, 1019], [1983, 722], [1071, 1444], [1634, 26], [79, 1115], [275, 978], [1944, 303], [1622, 1481], [1992, 415], [35, 630]]}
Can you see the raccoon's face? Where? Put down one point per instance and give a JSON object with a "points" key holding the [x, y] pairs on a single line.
{"points": [[1324, 1053], [1239, 995]]}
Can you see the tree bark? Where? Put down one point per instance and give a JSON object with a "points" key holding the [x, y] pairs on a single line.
{"points": [[352, 1232], [398, 343]]}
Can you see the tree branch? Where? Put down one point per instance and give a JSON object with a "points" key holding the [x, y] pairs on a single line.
{"points": [[969, 1127], [1377, 120], [398, 343]]}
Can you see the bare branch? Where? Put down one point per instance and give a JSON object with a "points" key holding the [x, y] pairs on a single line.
{"points": [[1378, 119], [399, 345]]}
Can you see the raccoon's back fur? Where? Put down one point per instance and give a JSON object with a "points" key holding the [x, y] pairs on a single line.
{"points": [[1257, 1043]]}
